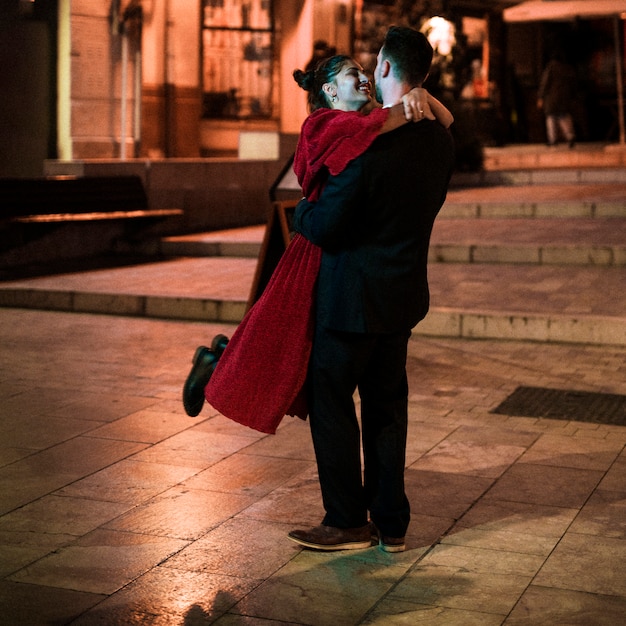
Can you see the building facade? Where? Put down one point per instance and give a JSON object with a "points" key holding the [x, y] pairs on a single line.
{"points": [[154, 79]]}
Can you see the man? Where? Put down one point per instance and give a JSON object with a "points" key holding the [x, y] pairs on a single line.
{"points": [[557, 96], [373, 222]]}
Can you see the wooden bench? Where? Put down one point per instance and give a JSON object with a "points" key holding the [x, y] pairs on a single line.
{"points": [[76, 199], [44, 221]]}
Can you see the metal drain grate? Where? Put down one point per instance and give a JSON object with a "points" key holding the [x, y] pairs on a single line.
{"points": [[565, 404]]}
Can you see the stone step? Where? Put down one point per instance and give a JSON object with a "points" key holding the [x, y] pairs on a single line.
{"points": [[549, 241], [547, 201], [525, 302], [561, 200], [538, 262], [538, 162], [236, 242]]}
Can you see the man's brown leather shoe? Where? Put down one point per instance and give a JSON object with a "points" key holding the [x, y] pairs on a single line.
{"points": [[392, 544], [388, 544], [330, 538]]}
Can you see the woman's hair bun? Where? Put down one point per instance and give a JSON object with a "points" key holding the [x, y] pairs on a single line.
{"points": [[304, 79]]}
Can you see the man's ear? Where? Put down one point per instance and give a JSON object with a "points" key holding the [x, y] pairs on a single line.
{"points": [[385, 68]]}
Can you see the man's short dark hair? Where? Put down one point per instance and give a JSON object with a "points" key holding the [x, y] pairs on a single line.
{"points": [[410, 54]]}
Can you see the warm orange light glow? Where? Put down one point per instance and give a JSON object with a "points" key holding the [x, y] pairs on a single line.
{"points": [[441, 35]]}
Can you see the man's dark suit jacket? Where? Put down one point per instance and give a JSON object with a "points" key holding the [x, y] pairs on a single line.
{"points": [[373, 222]]}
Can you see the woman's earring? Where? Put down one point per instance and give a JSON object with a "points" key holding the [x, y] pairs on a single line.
{"points": [[334, 99]]}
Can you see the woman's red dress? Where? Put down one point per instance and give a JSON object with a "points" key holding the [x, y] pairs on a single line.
{"points": [[261, 375]]}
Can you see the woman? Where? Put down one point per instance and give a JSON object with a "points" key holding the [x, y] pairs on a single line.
{"points": [[262, 370], [345, 120]]}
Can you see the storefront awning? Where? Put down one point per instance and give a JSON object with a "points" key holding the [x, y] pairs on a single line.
{"points": [[552, 10], [540, 10]]}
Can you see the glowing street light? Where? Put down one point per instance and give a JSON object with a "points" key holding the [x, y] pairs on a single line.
{"points": [[441, 34]]}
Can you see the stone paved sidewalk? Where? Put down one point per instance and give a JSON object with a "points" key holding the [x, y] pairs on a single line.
{"points": [[116, 508]]}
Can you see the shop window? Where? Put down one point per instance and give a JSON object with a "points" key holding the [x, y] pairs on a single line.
{"points": [[237, 43]]}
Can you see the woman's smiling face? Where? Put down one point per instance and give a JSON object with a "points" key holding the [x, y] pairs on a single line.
{"points": [[351, 87]]}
